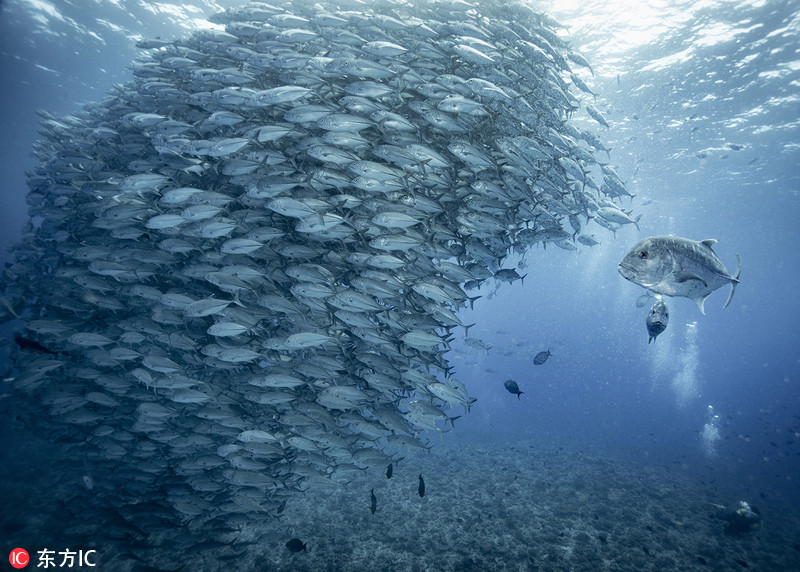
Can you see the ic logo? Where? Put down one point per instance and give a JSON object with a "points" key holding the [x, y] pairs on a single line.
{"points": [[19, 558]]}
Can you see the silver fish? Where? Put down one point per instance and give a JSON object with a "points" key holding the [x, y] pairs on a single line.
{"points": [[676, 266]]}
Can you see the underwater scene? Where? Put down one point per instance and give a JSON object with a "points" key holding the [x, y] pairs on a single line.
{"points": [[400, 285]]}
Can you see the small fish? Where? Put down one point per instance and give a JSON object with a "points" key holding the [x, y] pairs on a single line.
{"points": [[421, 488], [322, 294], [541, 357], [509, 275], [657, 320], [296, 545], [373, 502], [512, 387]]}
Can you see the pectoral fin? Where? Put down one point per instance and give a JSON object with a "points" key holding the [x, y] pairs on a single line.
{"points": [[681, 277], [700, 302]]}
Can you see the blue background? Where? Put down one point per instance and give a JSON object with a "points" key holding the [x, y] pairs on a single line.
{"points": [[704, 113]]}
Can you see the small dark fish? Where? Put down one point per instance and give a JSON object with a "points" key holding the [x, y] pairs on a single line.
{"points": [[657, 320], [508, 275], [473, 284], [421, 489], [512, 387], [702, 561], [296, 545], [389, 471], [541, 357], [742, 563], [373, 502], [27, 344], [281, 507]]}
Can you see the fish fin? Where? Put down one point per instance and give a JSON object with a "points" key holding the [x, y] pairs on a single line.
{"points": [[700, 302], [735, 281], [237, 301], [709, 242], [681, 277]]}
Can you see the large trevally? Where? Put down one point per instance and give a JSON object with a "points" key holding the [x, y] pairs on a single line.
{"points": [[676, 266]]}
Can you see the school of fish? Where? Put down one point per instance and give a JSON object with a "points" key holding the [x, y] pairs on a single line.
{"points": [[244, 267]]}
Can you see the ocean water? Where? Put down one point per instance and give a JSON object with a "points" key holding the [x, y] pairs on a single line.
{"points": [[619, 453]]}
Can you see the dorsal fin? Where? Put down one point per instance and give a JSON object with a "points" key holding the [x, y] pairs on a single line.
{"points": [[709, 242]]}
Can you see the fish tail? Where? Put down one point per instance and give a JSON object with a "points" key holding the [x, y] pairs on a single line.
{"points": [[10, 308], [237, 301], [735, 280]]}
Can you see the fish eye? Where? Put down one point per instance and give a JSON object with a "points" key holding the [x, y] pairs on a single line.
{"points": [[643, 254]]}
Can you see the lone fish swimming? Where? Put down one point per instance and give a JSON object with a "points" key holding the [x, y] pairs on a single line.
{"points": [[676, 266]]}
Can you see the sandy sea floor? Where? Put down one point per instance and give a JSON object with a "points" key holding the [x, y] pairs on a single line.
{"points": [[522, 508], [515, 507]]}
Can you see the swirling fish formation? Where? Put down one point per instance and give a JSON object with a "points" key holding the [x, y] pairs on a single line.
{"points": [[244, 267]]}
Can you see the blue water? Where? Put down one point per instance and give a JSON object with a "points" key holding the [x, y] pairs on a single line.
{"points": [[704, 111]]}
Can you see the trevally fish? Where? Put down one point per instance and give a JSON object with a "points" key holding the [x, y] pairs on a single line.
{"points": [[252, 255], [676, 266]]}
